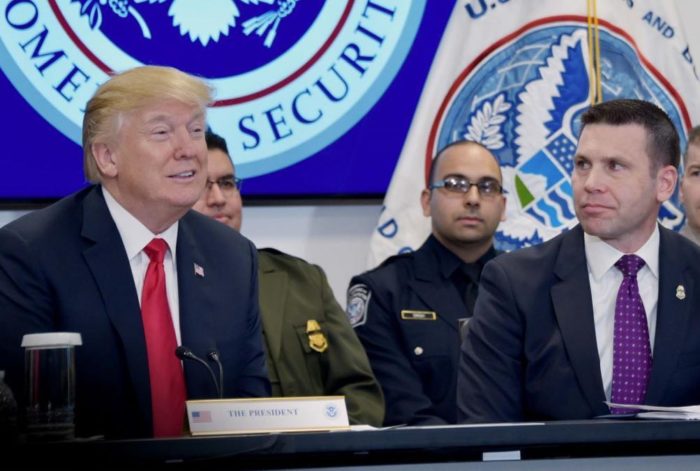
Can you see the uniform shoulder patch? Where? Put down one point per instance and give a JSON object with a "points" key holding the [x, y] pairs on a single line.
{"points": [[358, 302]]}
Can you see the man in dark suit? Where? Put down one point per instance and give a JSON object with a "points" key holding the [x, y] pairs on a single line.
{"points": [[84, 265], [562, 327], [409, 311], [310, 345]]}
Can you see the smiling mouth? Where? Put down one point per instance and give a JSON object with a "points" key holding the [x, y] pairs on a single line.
{"points": [[184, 175]]}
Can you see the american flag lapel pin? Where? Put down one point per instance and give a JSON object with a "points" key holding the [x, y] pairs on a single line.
{"points": [[198, 270]]}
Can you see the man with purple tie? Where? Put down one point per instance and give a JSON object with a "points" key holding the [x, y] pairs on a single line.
{"points": [[606, 312]]}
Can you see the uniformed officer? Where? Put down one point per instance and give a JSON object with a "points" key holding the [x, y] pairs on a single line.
{"points": [[409, 311], [311, 347]]}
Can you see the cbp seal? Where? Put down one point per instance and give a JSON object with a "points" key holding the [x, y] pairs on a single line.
{"points": [[358, 302], [523, 100], [291, 75]]}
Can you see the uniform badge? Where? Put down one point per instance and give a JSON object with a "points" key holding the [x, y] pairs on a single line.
{"points": [[317, 340], [409, 315], [680, 292], [358, 302]]}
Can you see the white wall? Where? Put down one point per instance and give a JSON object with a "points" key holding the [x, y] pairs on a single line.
{"points": [[334, 237], [337, 237]]}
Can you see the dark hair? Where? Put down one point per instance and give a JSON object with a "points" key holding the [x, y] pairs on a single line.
{"points": [[433, 164], [663, 143], [214, 141], [694, 139]]}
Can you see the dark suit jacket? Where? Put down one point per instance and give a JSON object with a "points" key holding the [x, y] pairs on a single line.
{"points": [[293, 292], [414, 360], [530, 351], [64, 268]]}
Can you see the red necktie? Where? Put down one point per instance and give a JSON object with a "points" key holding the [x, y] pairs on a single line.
{"points": [[167, 379]]}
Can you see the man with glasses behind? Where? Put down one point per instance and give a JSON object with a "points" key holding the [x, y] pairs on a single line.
{"points": [[311, 348], [409, 311]]}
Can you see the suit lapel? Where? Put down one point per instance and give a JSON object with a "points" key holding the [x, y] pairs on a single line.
{"points": [[273, 292], [197, 291], [442, 298], [672, 316], [106, 258], [573, 308]]}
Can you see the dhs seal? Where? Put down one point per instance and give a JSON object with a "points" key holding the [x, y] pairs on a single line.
{"points": [[331, 411], [523, 101], [291, 76]]}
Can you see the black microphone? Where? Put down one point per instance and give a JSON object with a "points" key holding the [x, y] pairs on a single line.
{"points": [[214, 355], [184, 353]]}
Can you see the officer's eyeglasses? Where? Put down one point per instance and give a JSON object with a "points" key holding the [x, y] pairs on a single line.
{"points": [[487, 187], [227, 185]]}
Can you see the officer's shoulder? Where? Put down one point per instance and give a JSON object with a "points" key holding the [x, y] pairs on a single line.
{"points": [[406, 257], [278, 255], [395, 266], [269, 257]]}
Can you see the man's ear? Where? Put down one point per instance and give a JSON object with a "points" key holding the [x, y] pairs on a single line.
{"points": [[505, 207], [666, 182], [104, 158], [425, 202]]}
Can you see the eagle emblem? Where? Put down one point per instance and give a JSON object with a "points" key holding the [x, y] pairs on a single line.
{"points": [[203, 22]]}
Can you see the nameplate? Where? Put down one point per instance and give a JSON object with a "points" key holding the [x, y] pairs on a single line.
{"points": [[409, 315], [264, 415]]}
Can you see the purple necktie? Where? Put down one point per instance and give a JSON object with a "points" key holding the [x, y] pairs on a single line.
{"points": [[631, 348]]}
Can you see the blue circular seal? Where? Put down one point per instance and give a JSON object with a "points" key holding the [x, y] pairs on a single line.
{"points": [[510, 102], [291, 76]]}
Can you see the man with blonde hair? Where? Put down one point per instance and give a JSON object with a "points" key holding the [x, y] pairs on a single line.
{"points": [[126, 264]]}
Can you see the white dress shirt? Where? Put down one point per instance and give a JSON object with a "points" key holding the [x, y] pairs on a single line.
{"points": [[605, 280], [136, 237]]}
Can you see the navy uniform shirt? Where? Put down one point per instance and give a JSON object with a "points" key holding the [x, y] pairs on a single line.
{"points": [[408, 313]]}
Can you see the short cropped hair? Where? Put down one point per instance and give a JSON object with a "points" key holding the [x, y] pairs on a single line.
{"points": [[433, 164], [128, 91], [663, 143], [214, 142]]}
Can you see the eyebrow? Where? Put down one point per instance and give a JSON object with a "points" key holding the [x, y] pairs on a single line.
{"points": [[459, 175]]}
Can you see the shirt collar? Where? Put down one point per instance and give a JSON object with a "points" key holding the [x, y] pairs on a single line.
{"points": [[449, 262], [135, 236], [601, 256]]}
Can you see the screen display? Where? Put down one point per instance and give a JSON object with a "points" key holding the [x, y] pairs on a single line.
{"points": [[313, 98]]}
